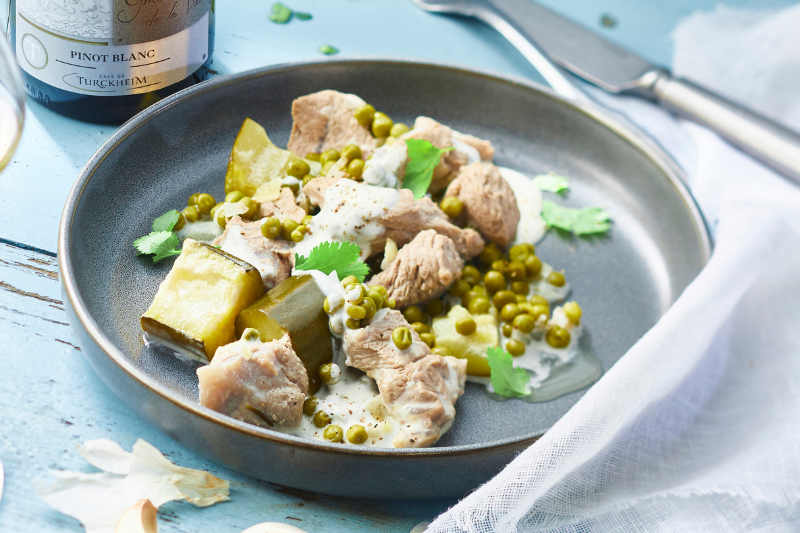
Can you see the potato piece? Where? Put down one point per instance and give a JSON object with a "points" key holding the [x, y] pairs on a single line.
{"points": [[294, 306], [254, 160], [472, 347], [196, 305]]}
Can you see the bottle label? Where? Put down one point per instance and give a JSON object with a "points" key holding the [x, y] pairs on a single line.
{"points": [[112, 47]]}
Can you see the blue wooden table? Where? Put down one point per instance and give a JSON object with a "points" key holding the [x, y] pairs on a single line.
{"points": [[51, 399]]}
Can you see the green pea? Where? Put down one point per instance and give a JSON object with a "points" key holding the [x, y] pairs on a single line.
{"points": [[500, 265], [333, 433], [306, 179], [351, 152], [180, 223], [298, 168], [312, 156], [390, 303], [531, 248], [233, 197], [515, 347], [490, 254], [331, 154], [310, 405], [516, 271], [479, 305], [293, 186], [213, 211], [524, 322], [399, 129], [470, 274], [376, 297], [326, 374], [428, 339], [419, 327], [573, 312], [435, 307], [381, 125], [326, 305], [348, 280], [356, 434], [191, 213], [402, 338], [381, 289], [556, 279], [452, 206], [370, 306], [270, 227], [356, 311], [509, 312], [193, 199], [520, 287], [205, 202], [352, 323], [521, 299], [479, 290], [250, 334], [537, 299], [441, 350], [526, 307], [466, 326], [533, 265], [219, 217], [253, 207], [459, 288], [321, 419], [364, 115], [507, 330], [356, 168], [518, 252], [540, 310], [356, 293], [501, 298], [307, 220], [557, 337], [494, 281], [412, 313], [287, 227], [300, 233]]}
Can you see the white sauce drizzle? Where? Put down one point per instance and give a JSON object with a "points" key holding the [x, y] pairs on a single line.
{"points": [[204, 230], [350, 214], [236, 245], [381, 170], [531, 227]]}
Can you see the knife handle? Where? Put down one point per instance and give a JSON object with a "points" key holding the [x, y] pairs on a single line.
{"points": [[772, 144]]}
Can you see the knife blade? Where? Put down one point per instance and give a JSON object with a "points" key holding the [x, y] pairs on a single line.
{"points": [[577, 49]]}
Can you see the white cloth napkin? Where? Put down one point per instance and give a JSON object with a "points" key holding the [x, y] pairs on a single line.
{"points": [[697, 427]]}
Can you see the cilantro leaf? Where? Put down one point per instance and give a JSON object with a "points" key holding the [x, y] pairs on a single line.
{"points": [[166, 221], [584, 221], [506, 380], [280, 13], [161, 244], [341, 257], [423, 158], [551, 183], [328, 50]]}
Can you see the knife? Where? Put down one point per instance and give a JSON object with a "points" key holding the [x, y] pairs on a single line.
{"points": [[538, 32]]}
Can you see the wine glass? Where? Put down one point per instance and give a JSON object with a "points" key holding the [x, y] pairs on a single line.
{"points": [[12, 102]]}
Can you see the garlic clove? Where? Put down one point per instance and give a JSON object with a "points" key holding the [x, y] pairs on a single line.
{"points": [[272, 527], [141, 518]]}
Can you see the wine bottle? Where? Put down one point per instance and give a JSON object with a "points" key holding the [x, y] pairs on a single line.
{"points": [[105, 60]]}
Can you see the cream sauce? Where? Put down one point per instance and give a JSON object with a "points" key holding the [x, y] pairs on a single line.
{"points": [[531, 227], [236, 245], [350, 214], [383, 168], [204, 230]]}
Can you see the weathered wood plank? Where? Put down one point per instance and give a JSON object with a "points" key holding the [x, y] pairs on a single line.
{"points": [[51, 399]]}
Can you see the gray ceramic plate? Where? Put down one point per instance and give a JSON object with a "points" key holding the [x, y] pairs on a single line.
{"points": [[180, 146]]}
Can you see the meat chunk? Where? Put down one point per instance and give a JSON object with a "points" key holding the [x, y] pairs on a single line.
{"points": [[266, 376], [489, 202], [274, 258], [423, 269], [484, 148], [419, 388], [408, 217], [381, 213], [284, 207], [441, 137], [326, 120]]}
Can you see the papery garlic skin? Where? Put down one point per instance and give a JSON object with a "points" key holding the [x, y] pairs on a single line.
{"points": [[141, 518]]}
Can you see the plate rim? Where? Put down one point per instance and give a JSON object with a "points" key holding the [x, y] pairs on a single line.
{"points": [[626, 132]]}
